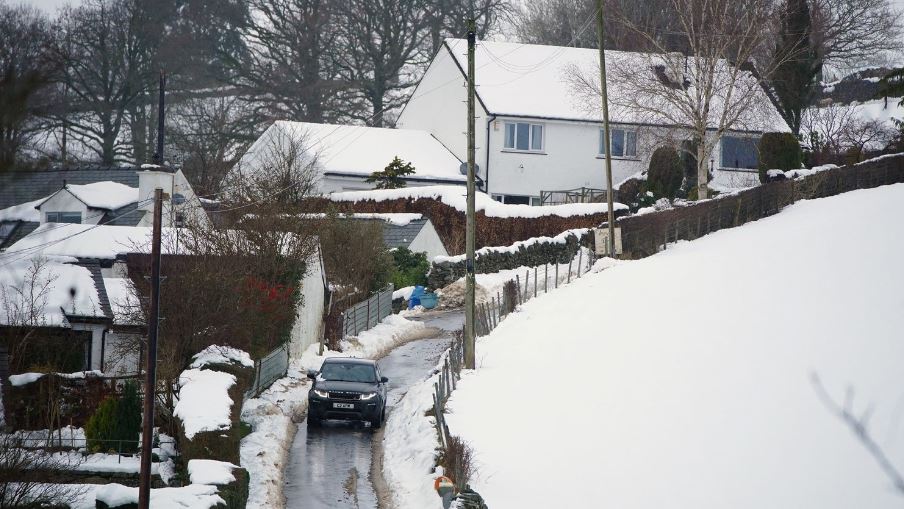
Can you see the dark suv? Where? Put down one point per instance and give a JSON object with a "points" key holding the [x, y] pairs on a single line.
{"points": [[347, 389]]}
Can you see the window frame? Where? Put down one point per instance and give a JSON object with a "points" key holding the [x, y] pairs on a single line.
{"points": [[601, 152], [60, 215], [532, 128]]}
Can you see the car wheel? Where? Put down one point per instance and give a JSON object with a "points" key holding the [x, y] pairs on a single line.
{"points": [[313, 422], [378, 422]]}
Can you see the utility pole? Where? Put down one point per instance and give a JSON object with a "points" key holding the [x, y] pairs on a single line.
{"points": [[158, 155], [469, 345], [150, 383], [606, 135]]}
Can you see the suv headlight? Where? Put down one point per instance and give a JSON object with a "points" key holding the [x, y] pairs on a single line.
{"points": [[368, 395], [322, 394]]}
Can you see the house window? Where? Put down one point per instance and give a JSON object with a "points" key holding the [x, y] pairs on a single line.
{"points": [[64, 217], [524, 136], [624, 143], [738, 152]]}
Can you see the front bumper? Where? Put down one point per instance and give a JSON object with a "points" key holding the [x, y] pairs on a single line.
{"points": [[321, 408]]}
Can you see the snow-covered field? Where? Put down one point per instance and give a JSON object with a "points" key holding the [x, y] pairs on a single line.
{"points": [[687, 379]]}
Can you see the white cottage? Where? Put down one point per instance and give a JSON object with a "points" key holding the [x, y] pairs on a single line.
{"points": [[535, 133], [344, 156]]}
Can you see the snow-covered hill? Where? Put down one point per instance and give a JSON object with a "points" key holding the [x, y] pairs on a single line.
{"points": [[686, 379]]}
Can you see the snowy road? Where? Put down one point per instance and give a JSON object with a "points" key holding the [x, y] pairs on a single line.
{"points": [[331, 467]]}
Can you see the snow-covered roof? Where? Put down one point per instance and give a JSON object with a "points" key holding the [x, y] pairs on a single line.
{"points": [[532, 80], [455, 196], [24, 212], [359, 151], [70, 291], [87, 241], [122, 301], [101, 195]]}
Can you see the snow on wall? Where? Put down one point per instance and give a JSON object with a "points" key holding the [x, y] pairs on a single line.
{"points": [[455, 197], [215, 354], [307, 328], [204, 402], [514, 248]]}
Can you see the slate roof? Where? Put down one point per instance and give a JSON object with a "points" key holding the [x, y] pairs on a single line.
{"points": [[401, 236], [124, 216], [18, 187], [93, 267]]}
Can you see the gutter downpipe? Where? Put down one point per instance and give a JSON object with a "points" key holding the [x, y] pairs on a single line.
{"points": [[486, 168]]}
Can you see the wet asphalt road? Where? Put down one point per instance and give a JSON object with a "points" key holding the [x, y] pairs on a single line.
{"points": [[330, 467]]}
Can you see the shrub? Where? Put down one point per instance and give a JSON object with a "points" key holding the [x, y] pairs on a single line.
{"points": [[116, 423], [779, 151], [409, 268], [666, 173], [391, 177]]}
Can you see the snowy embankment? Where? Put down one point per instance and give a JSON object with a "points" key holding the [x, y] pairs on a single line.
{"points": [[689, 378], [264, 452]]}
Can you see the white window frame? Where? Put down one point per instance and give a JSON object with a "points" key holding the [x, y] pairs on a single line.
{"points": [[601, 152], [59, 217], [530, 137]]}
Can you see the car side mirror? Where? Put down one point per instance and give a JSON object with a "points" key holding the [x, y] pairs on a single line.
{"points": [[383, 379], [312, 374]]}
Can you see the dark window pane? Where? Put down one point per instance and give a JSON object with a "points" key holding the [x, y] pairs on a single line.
{"points": [[522, 141], [618, 142], [739, 152], [517, 200]]}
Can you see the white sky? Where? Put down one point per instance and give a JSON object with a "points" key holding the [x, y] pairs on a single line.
{"points": [[49, 6]]}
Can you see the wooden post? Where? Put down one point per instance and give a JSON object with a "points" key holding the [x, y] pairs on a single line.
{"points": [[526, 285], [580, 260], [518, 287], [545, 278], [535, 281], [568, 280], [557, 274]]}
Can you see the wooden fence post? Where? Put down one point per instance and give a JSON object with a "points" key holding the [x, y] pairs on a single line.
{"points": [[557, 274], [518, 287], [545, 278], [526, 285], [535, 281], [568, 280], [580, 259]]}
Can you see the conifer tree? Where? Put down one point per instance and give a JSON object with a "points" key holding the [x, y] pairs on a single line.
{"points": [[392, 177], [797, 63]]}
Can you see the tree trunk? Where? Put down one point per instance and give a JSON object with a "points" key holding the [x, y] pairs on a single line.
{"points": [[702, 171]]}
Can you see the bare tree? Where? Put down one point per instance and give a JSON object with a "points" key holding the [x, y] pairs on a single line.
{"points": [[104, 49], [289, 69], [380, 50], [705, 91], [849, 33], [26, 70], [859, 425], [835, 129], [20, 469], [448, 18]]}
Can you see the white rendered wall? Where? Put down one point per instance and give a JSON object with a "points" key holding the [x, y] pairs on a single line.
{"points": [[65, 202], [428, 241], [308, 325], [570, 159]]}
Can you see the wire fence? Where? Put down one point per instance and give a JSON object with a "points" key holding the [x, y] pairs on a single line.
{"points": [[269, 369], [367, 313]]}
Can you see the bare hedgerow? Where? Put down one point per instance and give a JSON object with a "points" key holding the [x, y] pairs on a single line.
{"points": [[458, 462]]}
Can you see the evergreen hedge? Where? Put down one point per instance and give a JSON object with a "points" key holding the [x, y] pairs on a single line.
{"points": [[779, 151], [666, 173]]}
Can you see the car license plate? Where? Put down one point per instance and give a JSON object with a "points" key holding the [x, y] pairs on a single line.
{"points": [[344, 405]]}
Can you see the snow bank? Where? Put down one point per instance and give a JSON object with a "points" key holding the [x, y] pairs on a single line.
{"points": [[710, 413], [24, 379], [455, 197], [410, 447], [193, 496], [204, 403], [210, 472], [521, 244], [215, 354]]}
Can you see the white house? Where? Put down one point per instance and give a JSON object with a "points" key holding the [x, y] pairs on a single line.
{"points": [[344, 156], [536, 133]]}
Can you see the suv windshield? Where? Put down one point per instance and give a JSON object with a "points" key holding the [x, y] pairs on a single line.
{"points": [[339, 372]]}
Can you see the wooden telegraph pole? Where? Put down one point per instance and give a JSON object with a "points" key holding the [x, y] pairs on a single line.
{"points": [[606, 135], [150, 382], [158, 154], [469, 340]]}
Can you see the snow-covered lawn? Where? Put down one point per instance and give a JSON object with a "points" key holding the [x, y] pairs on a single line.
{"points": [[686, 379], [264, 452]]}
